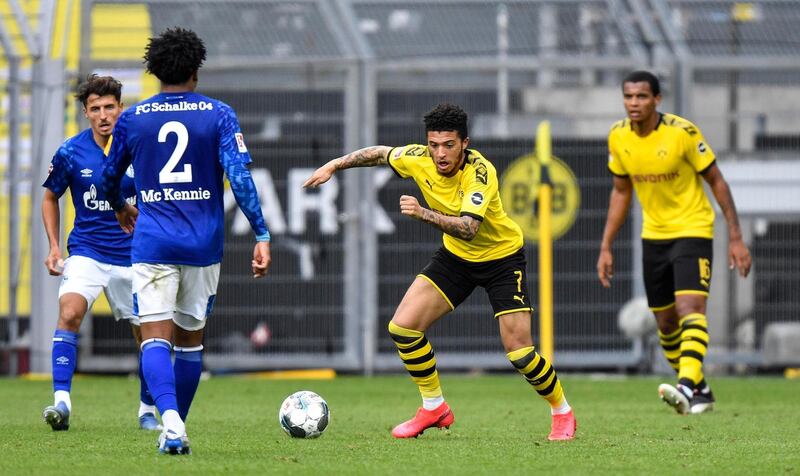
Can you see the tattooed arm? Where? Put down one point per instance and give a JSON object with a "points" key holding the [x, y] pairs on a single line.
{"points": [[366, 157], [464, 227]]}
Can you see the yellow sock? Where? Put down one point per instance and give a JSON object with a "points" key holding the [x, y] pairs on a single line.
{"points": [[694, 343], [671, 345], [418, 357], [539, 373]]}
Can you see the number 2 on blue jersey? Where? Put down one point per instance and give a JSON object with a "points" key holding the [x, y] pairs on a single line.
{"points": [[167, 173]]}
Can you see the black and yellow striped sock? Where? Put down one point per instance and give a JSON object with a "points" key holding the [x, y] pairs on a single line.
{"points": [[671, 345], [418, 357], [539, 373], [694, 344]]}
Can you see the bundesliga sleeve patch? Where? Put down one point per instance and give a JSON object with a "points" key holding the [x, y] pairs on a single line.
{"points": [[701, 147], [240, 142], [476, 198]]}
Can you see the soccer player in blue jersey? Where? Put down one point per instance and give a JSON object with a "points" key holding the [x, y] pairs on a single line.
{"points": [[100, 253], [179, 143]]}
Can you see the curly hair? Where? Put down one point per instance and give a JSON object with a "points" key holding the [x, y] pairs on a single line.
{"points": [[100, 85], [644, 77], [175, 55], [447, 117]]}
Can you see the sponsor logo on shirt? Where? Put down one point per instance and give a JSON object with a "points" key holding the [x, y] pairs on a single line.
{"points": [[91, 202], [655, 178], [173, 107], [240, 142], [86, 173]]}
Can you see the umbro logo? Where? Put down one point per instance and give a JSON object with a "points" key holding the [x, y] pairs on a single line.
{"points": [[86, 173], [62, 360]]}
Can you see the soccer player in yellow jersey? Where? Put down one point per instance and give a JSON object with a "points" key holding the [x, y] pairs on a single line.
{"points": [[481, 246], [662, 157]]}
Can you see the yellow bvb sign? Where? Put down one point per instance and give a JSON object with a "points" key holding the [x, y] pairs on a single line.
{"points": [[519, 191]]}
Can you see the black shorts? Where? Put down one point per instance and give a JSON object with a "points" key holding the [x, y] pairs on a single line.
{"points": [[504, 279], [674, 267]]}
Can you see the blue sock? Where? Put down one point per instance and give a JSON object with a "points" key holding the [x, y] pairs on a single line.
{"points": [[188, 367], [65, 352], [157, 370], [144, 393]]}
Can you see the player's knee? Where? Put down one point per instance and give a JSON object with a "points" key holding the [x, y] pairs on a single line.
{"points": [[409, 321], [516, 342], [690, 307], [667, 320], [70, 319], [667, 326]]}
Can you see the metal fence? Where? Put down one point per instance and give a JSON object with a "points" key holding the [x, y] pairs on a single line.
{"points": [[311, 80]]}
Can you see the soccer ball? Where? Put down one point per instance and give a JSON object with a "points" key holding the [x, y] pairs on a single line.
{"points": [[635, 319], [304, 414]]}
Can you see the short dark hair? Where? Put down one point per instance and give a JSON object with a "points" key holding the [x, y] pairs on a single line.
{"points": [[175, 55], [644, 77], [447, 117], [100, 85]]}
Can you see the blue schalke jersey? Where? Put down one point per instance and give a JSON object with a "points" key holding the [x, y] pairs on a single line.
{"points": [[180, 144], [78, 166]]}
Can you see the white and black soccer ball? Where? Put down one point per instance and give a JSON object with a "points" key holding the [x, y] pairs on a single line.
{"points": [[304, 414], [635, 319]]}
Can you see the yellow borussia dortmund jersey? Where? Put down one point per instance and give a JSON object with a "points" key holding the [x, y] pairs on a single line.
{"points": [[665, 169], [472, 191]]}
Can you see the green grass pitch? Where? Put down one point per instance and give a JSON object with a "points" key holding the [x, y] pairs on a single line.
{"points": [[501, 428]]}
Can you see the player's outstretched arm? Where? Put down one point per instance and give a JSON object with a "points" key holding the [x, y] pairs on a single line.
{"points": [[366, 157], [618, 204], [51, 218], [738, 254], [463, 227]]}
